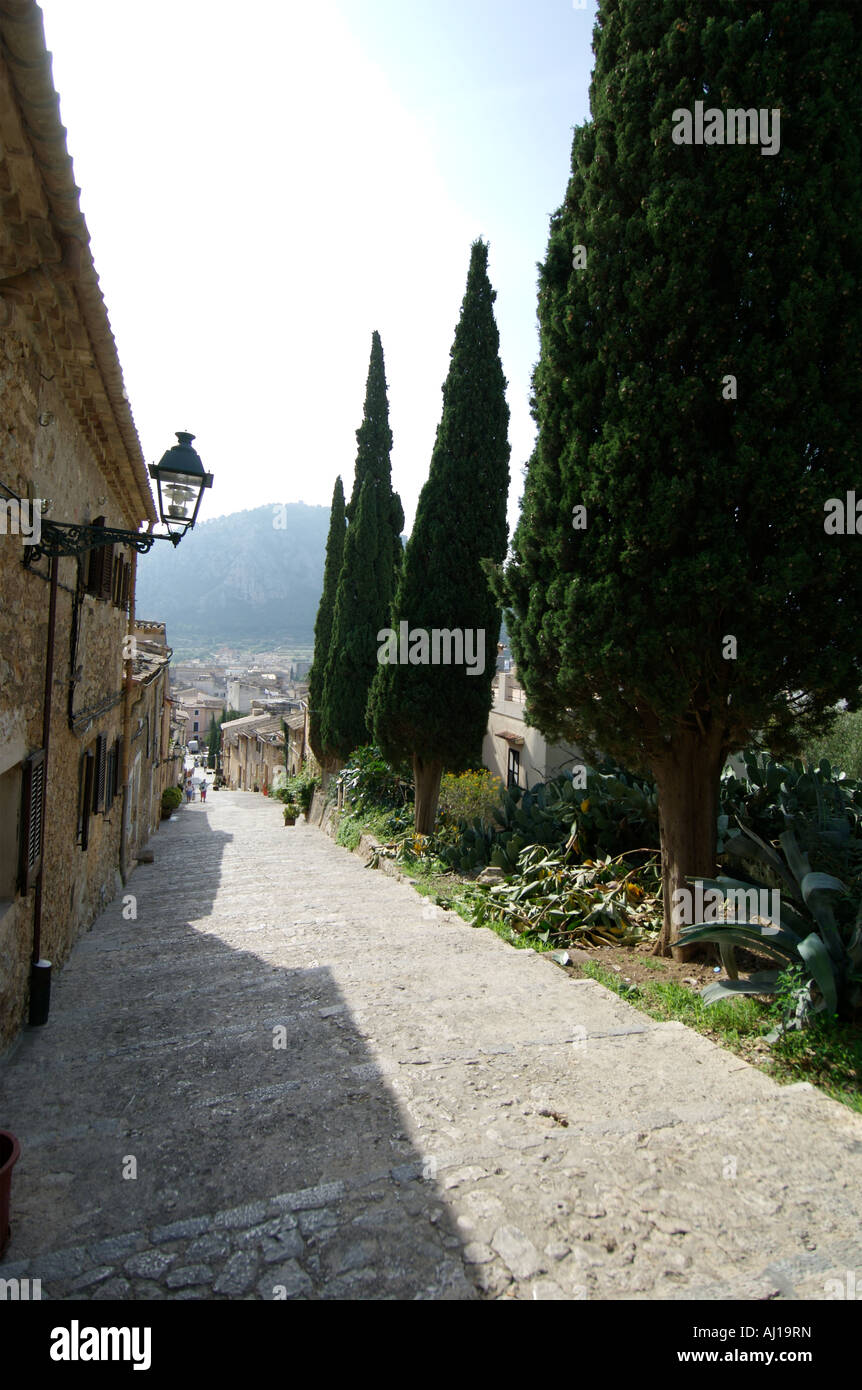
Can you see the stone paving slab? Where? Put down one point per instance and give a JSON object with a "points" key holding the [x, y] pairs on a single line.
{"points": [[325, 1092]]}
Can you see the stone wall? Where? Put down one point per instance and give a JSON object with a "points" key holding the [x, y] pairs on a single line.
{"points": [[87, 678]]}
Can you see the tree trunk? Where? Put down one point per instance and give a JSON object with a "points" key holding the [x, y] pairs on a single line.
{"points": [[329, 768], [687, 778], [426, 776]]}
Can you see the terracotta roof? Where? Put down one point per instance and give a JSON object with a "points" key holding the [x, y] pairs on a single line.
{"points": [[46, 259], [150, 659]]}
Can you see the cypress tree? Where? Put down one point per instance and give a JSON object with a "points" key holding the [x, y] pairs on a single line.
{"points": [[213, 739], [437, 714], [698, 395], [372, 559], [323, 626]]}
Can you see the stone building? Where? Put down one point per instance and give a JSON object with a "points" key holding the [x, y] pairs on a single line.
{"points": [[252, 752], [516, 753], [81, 724], [298, 751], [202, 709], [156, 752]]}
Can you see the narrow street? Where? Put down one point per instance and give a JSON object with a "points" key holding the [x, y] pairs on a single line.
{"points": [[288, 1078]]}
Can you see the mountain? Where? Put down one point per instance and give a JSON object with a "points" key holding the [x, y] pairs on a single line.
{"points": [[253, 576]]}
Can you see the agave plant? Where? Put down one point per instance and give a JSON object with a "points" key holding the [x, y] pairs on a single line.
{"points": [[804, 932]]}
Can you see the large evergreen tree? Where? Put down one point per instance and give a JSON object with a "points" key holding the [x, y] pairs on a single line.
{"points": [[699, 393], [372, 560], [323, 625], [437, 715]]}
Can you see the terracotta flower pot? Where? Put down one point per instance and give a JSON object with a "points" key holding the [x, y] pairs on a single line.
{"points": [[10, 1152]]}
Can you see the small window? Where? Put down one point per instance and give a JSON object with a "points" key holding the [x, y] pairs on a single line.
{"points": [[109, 779], [117, 783], [100, 772], [85, 797], [100, 570], [514, 768], [32, 819], [10, 813]]}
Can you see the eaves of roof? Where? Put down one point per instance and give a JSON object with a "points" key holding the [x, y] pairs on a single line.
{"points": [[91, 377]]}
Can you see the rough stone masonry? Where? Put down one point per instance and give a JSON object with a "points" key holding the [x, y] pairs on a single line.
{"points": [[282, 1080]]}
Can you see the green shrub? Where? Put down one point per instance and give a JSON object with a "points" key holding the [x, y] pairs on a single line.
{"points": [[171, 798], [368, 780], [297, 790], [842, 745], [468, 795], [821, 806]]}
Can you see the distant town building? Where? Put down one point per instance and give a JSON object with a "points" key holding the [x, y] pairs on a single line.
{"points": [[516, 753]]}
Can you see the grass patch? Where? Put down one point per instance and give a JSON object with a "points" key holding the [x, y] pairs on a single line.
{"points": [[352, 826], [826, 1053]]}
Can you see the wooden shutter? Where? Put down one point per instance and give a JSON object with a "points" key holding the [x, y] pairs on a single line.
{"points": [[115, 790], [109, 780], [127, 580], [107, 591], [96, 563], [32, 819], [87, 764], [99, 773], [100, 575], [117, 581]]}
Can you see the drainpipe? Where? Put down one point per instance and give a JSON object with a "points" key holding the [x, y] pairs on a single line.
{"points": [[128, 692], [40, 971]]}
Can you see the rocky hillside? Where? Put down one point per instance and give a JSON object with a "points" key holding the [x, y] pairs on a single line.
{"points": [[240, 577]]}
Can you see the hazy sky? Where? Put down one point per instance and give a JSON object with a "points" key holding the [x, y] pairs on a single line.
{"points": [[265, 185]]}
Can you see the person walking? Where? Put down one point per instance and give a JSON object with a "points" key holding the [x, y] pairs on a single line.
{"points": [[203, 791], [190, 789]]}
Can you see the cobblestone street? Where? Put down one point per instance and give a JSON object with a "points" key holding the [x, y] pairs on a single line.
{"points": [[287, 1078]]}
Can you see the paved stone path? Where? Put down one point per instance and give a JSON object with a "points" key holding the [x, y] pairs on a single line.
{"points": [[328, 1089]]}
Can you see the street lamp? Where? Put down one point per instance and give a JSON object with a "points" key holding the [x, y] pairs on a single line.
{"points": [[181, 480]]}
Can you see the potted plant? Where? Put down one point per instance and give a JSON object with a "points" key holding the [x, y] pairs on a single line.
{"points": [[290, 812], [171, 799], [10, 1152]]}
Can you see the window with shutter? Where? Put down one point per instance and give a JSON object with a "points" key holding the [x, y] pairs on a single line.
{"points": [[86, 797], [32, 818], [99, 773], [96, 563], [107, 590], [100, 572], [109, 780]]}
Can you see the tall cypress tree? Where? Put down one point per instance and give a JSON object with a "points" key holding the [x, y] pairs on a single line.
{"points": [[372, 560], [437, 714], [323, 625], [699, 399]]}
